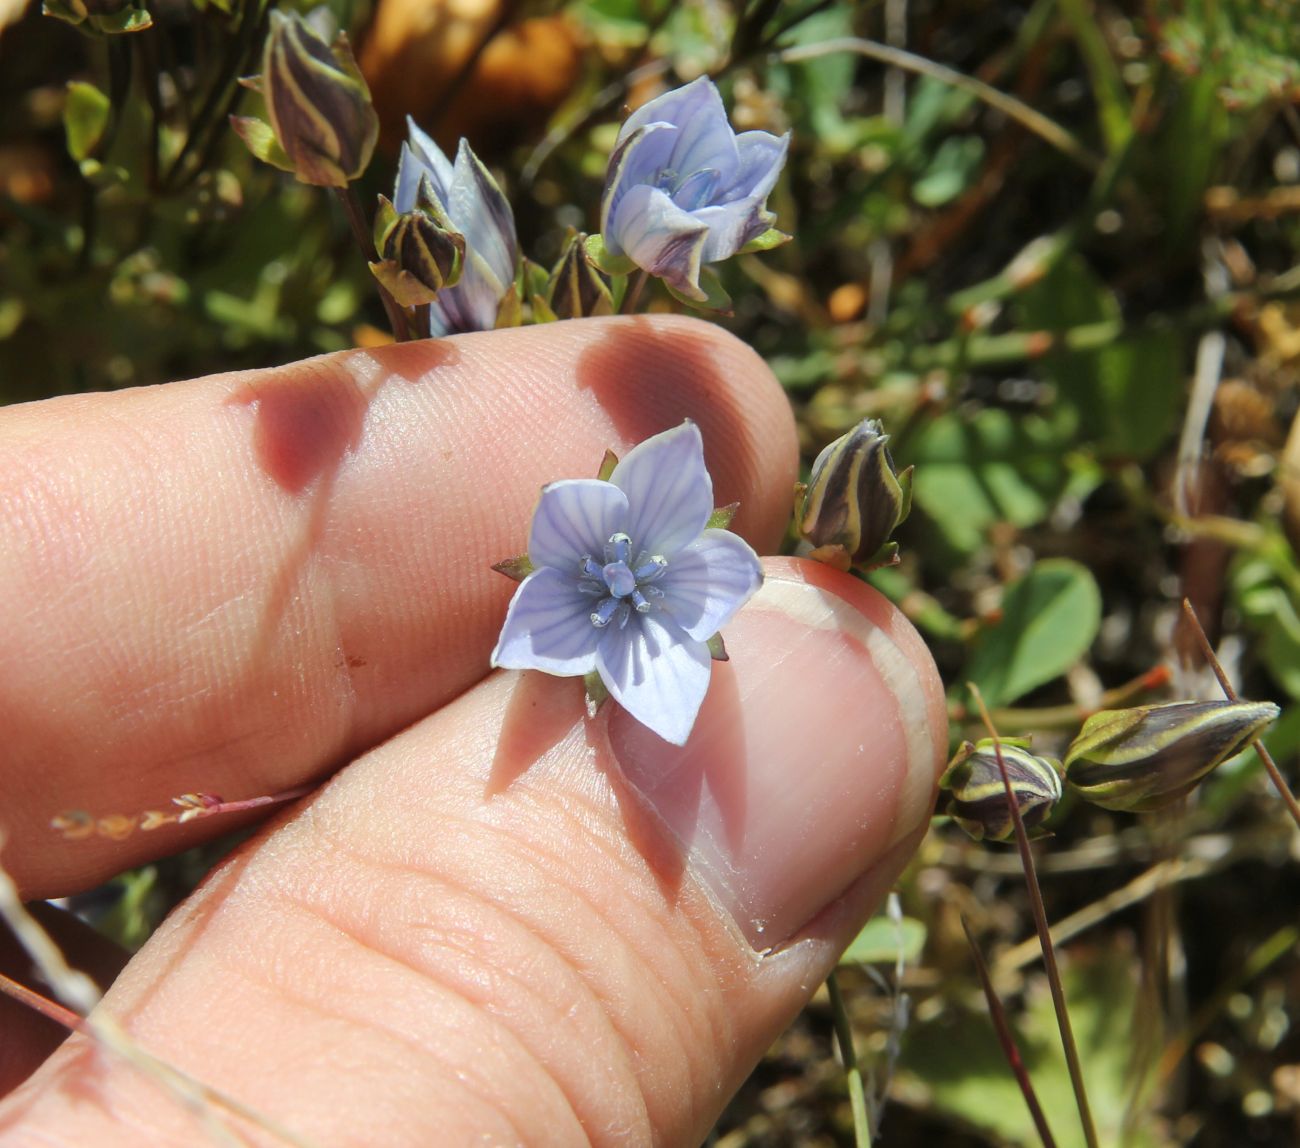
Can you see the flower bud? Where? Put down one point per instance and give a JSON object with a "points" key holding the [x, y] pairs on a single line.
{"points": [[420, 252], [1144, 758], [576, 289], [854, 500], [974, 796], [323, 126]]}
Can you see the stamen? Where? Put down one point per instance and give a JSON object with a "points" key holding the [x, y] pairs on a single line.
{"points": [[605, 611], [619, 548]]}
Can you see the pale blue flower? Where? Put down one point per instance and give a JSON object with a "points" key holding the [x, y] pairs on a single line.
{"points": [[629, 581], [684, 190], [474, 203]]}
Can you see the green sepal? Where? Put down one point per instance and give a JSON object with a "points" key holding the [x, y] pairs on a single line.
{"points": [[717, 649], [715, 298], [260, 140], [721, 518], [596, 693], [386, 217], [404, 287], [769, 239], [600, 257], [542, 312], [510, 312], [516, 569], [607, 465], [85, 118]]}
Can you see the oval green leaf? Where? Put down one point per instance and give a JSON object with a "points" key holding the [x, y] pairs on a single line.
{"points": [[1049, 619]]}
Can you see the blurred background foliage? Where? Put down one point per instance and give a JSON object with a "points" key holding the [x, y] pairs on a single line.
{"points": [[1053, 244]]}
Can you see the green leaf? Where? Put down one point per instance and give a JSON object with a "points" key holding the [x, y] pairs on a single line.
{"points": [[883, 941], [1049, 619], [1125, 396], [975, 472], [950, 172], [85, 118], [953, 1060]]}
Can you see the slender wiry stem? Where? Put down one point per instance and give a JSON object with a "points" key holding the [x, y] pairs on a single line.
{"points": [[1008, 1041], [1043, 127], [1275, 774], [852, 1073], [1044, 933], [361, 233], [633, 296], [37, 1003]]}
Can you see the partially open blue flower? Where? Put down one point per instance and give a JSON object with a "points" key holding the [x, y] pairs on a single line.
{"points": [[474, 203], [630, 582], [684, 190]]}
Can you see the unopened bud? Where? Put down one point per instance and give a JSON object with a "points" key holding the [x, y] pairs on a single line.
{"points": [[323, 125], [420, 252], [974, 796], [854, 500], [1144, 758], [576, 289]]}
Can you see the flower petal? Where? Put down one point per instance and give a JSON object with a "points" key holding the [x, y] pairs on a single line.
{"points": [[691, 103], [707, 582], [472, 304], [656, 672], [730, 227], [548, 627], [420, 156], [658, 236], [635, 160], [669, 491], [478, 208], [762, 156], [574, 519]]}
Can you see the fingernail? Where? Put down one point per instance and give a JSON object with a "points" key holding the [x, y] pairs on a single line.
{"points": [[816, 750]]}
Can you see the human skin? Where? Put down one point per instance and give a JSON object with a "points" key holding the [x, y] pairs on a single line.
{"points": [[498, 921]]}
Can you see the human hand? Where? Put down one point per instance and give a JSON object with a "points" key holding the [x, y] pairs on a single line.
{"points": [[502, 922]]}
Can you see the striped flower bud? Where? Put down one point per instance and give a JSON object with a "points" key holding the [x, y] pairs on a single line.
{"points": [[420, 252], [854, 500], [1144, 758], [323, 125], [576, 289], [973, 794]]}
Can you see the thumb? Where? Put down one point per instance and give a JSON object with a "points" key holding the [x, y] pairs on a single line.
{"points": [[513, 924]]}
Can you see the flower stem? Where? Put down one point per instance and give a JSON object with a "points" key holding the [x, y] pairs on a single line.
{"points": [[1275, 774], [361, 233], [848, 1054], [1043, 127], [1008, 1041], [1044, 932], [633, 296]]}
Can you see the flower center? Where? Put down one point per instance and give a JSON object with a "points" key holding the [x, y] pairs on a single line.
{"points": [[620, 584], [692, 190]]}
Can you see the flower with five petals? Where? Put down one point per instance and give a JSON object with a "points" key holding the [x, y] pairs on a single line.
{"points": [[629, 581]]}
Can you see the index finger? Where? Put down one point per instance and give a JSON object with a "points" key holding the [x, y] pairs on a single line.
{"points": [[236, 583]]}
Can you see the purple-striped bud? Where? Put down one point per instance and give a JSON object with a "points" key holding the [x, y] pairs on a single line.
{"points": [[972, 792], [323, 126], [1143, 758], [420, 252], [854, 500]]}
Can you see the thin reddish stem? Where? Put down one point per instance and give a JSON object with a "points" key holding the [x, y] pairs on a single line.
{"points": [[1270, 766]]}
